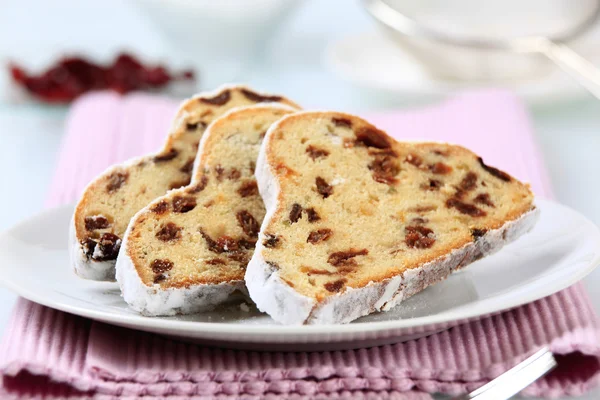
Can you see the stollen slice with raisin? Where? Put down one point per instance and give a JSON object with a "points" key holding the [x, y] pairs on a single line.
{"points": [[110, 200], [188, 250], [357, 222]]}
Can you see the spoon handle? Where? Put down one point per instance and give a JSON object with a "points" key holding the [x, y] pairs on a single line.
{"points": [[586, 73], [515, 379]]}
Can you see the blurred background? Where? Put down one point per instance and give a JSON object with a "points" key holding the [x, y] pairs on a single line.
{"points": [[335, 47], [323, 54]]}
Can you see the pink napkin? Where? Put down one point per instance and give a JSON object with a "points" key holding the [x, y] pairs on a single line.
{"points": [[50, 354]]}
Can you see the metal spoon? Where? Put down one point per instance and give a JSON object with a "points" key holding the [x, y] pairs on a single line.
{"points": [[553, 47], [515, 379]]}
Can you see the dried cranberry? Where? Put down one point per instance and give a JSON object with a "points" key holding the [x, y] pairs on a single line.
{"points": [[220, 171], [335, 286], [223, 244], [227, 244], [423, 209], [259, 98], [94, 222], [188, 166], [478, 232], [88, 246], [313, 216], [160, 266], [315, 152], [247, 244], [169, 232], [160, 208], [440, 168], [248, 223], [108, 247], [465, 208], [200, 186], [494, 171], [210, 242], [433, 185], [295, 213], [116, 180], [345, 257], [323, 187], [469, 182], [169, 155], [248, 188], [419, 237], [183, 204], [484, 198], [414, 160], [320, 235], [385, 169], [216, 261], [271, 241], [315, 271], [238, 256], [73, 76], [234, 174], [192, 126], [342, 122], [219, 100], [372, 137]]}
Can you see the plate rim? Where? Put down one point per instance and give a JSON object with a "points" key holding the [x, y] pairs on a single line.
{"points": [[249, 330]]}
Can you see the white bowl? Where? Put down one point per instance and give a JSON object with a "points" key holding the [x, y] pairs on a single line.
{"points": [[219, 36], [490, 19]]}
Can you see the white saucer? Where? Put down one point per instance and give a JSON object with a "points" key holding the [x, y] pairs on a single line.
{"points": [[372, 60], [562, 249]]}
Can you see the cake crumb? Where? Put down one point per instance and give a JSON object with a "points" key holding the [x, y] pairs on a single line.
{"points": [[244, 307]]}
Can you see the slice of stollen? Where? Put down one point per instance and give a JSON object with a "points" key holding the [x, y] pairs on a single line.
{"points": [[109, 201], [356, 221], [188, 250]]}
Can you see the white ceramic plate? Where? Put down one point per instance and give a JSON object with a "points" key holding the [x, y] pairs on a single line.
{"points": [[373, 61], [562, 249]]}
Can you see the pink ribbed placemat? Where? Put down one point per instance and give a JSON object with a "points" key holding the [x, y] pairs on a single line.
{"points": [[49, 354]]}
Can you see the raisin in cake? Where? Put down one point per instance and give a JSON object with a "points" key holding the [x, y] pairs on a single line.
{"points": [[188, 249], [356, 222], [108, 203]]}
